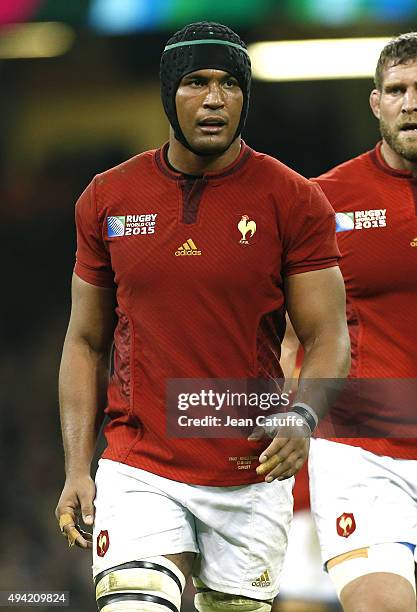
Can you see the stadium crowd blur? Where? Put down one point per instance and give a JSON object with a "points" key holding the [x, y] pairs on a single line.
{"points": [[62, 120]]}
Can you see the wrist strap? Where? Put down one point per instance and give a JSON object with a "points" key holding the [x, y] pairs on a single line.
{"points": [[307, 413]]}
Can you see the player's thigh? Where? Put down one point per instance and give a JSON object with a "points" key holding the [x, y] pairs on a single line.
{"points": [[135, 520], [385, 592], [379, 577], [242, 535], [154, 584], [184, 561]]}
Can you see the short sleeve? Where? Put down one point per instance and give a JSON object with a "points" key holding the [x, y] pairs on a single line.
{"points": [[92, 258], [310, 239]]}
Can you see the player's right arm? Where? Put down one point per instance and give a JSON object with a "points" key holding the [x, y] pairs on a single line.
{"points": [[83, 382]]}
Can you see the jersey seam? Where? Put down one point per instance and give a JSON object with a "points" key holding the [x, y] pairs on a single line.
{"points": [[129, 448], [131, 359], [360, 338], [209, 481]]}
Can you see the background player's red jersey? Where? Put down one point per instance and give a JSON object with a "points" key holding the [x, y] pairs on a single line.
{"points": [[376, 226], [200, 295]]}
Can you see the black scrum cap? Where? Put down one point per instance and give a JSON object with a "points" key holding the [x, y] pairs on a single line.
{"points": [[198, 46]]}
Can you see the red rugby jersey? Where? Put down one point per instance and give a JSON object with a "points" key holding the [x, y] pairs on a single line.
{"points": [[215, 313], [376, 226]]}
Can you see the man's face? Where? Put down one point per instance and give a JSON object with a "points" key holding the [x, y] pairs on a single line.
{"points": [[396, 108], [209, 104]]}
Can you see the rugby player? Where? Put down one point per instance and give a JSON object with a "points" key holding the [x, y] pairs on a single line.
{"points": [[364, 490], [186, 259]]}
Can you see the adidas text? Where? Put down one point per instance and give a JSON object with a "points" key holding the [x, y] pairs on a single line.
{"points": [[187, 248], [178, 253], [262, 581]]}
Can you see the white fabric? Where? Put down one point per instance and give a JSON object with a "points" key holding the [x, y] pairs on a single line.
{"points": [[380, 492], [390, 558], [241, 532], [303, 576], [144, 580]]}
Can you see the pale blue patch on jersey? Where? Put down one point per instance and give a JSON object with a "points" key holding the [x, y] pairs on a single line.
{"points": [[345, 221], [115, 226]]}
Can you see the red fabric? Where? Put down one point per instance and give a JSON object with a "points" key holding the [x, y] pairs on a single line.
{"points": [[215, 315], [379, 268], [301, 490]]}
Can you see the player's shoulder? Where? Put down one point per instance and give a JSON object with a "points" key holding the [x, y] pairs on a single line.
{"points": [[344, 183], [117, 183], [350, 172], [275, 174], [136, 164], [290, 194]]}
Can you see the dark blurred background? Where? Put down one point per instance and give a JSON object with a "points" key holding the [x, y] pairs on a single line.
{"points": [[79, 94]]}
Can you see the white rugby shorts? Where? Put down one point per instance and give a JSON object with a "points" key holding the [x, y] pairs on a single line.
{"points": [[359, 499], [240, 533]]}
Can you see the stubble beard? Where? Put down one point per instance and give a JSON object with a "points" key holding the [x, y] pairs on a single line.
{"points": [[406, 148], [210, 148]]}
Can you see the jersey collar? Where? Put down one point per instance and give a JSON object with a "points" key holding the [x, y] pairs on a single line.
{"points": [[231, 169], [380, 162]]}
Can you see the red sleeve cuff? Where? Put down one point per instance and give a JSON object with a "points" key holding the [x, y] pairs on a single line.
{"points": [[311, 267], [100, 278]]}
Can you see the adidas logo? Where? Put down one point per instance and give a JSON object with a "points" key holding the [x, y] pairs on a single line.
{"points": [[263, 580], [187, 248]]}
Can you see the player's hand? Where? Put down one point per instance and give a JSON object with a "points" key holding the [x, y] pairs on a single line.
{"points": [[77, 499], [287, 452]]}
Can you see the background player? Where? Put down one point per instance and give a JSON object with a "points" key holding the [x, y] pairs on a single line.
{"points": [[195, 297], [364, 491]]}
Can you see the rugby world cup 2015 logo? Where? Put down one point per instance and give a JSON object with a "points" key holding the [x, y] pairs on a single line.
{"points": [[116, 226], [361, 219], [345, 221]]}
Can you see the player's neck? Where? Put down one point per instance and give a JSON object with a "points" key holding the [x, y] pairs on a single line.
{"points": [[187, 162], [396, 161]]}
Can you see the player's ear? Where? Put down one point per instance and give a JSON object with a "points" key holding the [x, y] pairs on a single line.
{"points": [[374, 101]]}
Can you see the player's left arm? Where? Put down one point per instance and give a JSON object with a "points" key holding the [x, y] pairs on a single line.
{"points": [[289, 349], [316, 305]]}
